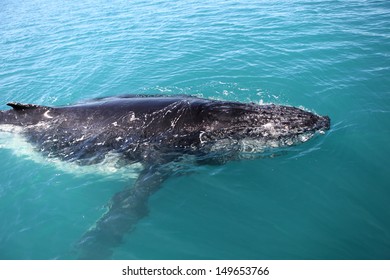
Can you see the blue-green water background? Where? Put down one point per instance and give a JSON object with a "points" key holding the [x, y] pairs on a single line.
{"points": [[328, 200]]}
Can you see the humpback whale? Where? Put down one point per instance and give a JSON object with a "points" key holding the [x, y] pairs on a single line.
{"points": [[159, 133]]}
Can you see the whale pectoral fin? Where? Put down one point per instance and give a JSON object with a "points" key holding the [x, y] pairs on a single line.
{"points": [[126, 208]]}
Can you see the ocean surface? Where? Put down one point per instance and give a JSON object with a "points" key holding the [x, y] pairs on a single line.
{"points": [[327, 199]]}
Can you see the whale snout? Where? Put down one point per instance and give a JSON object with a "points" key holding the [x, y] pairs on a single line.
{"points": [[323, 123]]}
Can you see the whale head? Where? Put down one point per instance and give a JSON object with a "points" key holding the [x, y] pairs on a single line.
{"points": [[255, 128]]}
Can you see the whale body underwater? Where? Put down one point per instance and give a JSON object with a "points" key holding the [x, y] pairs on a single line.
{"points": [[159, 133]]}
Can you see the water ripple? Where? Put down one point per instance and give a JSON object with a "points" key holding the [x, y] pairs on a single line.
{"points": [[331, 57]]}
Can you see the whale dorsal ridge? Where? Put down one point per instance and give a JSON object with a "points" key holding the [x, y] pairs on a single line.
{"points": [[20, 106]]}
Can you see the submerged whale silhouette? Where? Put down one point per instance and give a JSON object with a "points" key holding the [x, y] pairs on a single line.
{"points": [[159, 132]]}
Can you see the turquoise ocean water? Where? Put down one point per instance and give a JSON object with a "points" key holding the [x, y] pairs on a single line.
{"points": [[327, 199]]}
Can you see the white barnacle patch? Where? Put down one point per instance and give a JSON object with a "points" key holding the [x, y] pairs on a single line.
{"points": [[270, 129], [268, 125], [132, 117]]}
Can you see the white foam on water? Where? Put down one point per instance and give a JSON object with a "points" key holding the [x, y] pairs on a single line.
{"points": [[11, 138]]}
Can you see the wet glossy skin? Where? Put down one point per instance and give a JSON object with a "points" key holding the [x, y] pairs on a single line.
{"points": [[139, 127]]}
